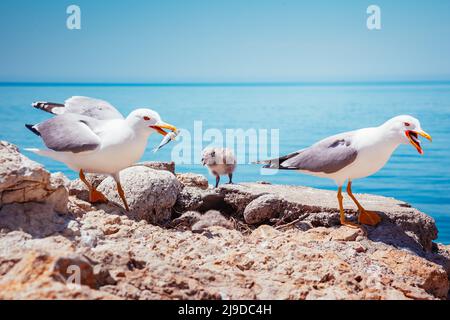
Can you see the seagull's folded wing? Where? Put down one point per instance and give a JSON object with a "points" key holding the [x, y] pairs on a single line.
{"points": [[328, 156], [95, 108], [69, 133]]}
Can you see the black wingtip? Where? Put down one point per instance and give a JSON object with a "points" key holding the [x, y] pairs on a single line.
{"points": [[46, 106], [32, 129]]}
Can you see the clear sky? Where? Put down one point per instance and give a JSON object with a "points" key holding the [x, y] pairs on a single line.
{"points": [[224, 41]]}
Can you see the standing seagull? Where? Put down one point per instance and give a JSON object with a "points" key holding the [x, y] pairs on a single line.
{"points": [[90, 135], [353, 155], [219, 161]]}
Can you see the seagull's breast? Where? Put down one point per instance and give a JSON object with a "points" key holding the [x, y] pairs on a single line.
{"points": [[120, 147], [374, 150]]}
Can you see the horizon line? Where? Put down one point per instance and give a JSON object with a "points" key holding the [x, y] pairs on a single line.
{"points": [[223, 84]]}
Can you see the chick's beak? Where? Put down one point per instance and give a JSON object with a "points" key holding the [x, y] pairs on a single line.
{"points": [[162, 125]]}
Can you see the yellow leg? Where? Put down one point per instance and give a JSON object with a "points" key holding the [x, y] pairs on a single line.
{"points": [[94, 195], [365, 217], [341, 209], [122, 195]]}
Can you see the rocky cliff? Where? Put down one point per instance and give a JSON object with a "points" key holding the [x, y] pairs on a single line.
{"points": [[183, 239]]}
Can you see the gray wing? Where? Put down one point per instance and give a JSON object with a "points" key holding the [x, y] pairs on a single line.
{"points": [[329, 155], [95, 108], [69, 132]]}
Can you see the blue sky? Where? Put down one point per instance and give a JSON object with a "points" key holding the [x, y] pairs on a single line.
{"points": [[224, 41]]}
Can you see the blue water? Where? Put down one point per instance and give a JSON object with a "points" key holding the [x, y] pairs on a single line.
{"points": [[302, 113]]}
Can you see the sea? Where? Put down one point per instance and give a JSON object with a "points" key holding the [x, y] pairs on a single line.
{"points": [[273, 118]]}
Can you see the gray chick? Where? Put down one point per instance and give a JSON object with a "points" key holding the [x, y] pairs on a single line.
{"points": [[219, 161]]}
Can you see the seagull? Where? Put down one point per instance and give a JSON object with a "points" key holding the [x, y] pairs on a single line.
{"points": [[353, 155], [219, 161], [91, 136]]}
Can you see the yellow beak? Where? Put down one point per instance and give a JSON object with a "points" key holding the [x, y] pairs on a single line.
{"points": [[412, 136], [162, 125], [424, 134]]}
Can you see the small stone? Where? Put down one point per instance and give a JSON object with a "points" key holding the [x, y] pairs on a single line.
{"points": [[262, 209], [193, 180], [345, 233], [211, 218], [150, 193]]}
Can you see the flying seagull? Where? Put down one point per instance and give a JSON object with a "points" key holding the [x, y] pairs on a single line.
{"points": [[353, 155], [91, 136]]}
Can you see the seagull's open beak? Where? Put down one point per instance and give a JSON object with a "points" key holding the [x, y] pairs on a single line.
{"points": [[162, 125], [413, 137]]}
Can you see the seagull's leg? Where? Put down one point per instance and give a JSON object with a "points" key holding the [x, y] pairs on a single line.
{"points": [[230, 175], [94, 195], [122, 196], [120, 191], [217, 180], [365, 217], [341, 209]]}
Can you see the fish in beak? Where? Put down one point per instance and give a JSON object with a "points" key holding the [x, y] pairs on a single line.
{"points": [[160, 126], [413, 137]]}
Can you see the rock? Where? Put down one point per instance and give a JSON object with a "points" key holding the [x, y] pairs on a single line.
{"points": [[78, 188], [42, 276], [37, 219], [265, 232], [186, 220], [319, 207], [402, 225], [157, 165], [345, 234], [209, 219], [150, 193], [197, 222], [441, 256], [23, 180], [75, 269], [143, 261], [193, 180], [421, 273], [195, 199], [263, 209]]}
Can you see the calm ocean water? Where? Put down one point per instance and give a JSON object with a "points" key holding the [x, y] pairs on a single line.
{"points": [[304, 114]]}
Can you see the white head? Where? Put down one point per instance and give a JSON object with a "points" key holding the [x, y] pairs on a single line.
{"points": [[212, 156], [148, 121], [406, 130], [209, 156]]}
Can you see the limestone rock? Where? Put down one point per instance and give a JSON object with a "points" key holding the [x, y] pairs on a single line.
{"points": [[150, 193], [23, 180], [196, 199], [193, 180], [198, 222], [41, 276], [263, 209], [78, 188], [37, 219], [158, 165], [209, 219], [143, 261], [319, 208]]}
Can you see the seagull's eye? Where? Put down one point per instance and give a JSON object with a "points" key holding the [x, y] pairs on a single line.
{"points": [[407, 124], [146, 118]]}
